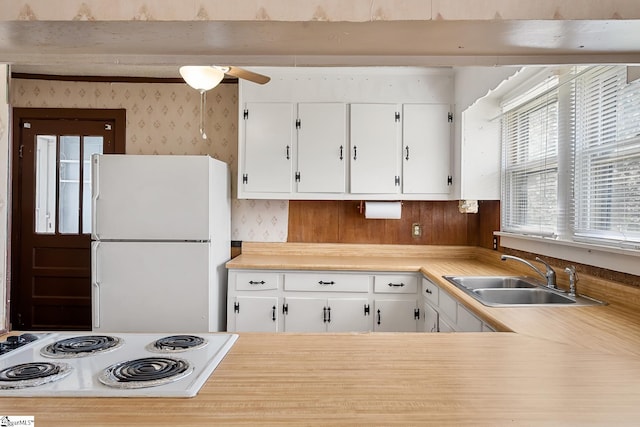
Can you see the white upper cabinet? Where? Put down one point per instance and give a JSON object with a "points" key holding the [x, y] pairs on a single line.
{"points": [[267, 147], [426, 145], [322, 147], [322, 133], [374, 154]]}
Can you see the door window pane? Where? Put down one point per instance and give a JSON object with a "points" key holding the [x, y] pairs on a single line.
{"points": [[45, 203], [91, 145], [69, 185]]}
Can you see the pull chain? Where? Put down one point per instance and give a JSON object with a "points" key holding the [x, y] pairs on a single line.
{"points": [[203, 106]]}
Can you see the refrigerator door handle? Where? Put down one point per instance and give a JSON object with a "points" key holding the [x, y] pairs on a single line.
{"points": [[96, 285], [96, 305], [95, 193]]}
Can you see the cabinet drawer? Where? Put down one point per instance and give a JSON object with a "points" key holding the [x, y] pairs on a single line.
{"points": [[448, 306], [328, 282], [257, 281], [395, 284], [430, 291]]}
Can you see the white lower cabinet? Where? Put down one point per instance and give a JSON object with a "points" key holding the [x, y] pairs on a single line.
{"points": [[450, 315], [396, 306], [467, 322], [430, 317], [329, 301], [254, 314], [393, 315], [444, 326], [326, 314]]}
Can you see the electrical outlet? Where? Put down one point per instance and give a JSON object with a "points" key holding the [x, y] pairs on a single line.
{"points": [[416, 230]]}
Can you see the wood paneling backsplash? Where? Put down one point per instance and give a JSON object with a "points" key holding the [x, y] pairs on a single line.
{"points": [[442, 223]]}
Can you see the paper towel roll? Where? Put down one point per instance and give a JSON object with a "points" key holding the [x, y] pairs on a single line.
{"points": [[382, 210]]}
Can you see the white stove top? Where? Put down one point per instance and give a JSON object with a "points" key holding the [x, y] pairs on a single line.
{"points": [[84, 381]]}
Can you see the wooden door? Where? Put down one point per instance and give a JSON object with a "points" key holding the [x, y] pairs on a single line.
{"points": [[51, 213]]}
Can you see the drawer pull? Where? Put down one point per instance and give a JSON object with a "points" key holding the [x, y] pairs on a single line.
{"points": [[379, 317], [396, 285], [326, 283], [428, 291], [273, 313], [262, 282]]}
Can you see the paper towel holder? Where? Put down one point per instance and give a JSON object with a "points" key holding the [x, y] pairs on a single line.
{"points": [[360, 207]]}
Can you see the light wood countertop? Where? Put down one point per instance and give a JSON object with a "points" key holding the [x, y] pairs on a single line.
{"points": [[465, 379], [565, 366], [613, 328]]}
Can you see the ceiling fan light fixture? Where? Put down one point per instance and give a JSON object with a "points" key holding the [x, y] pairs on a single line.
{"points": [[201, 77]]}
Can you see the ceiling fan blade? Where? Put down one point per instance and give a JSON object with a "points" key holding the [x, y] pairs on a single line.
{"points": [[241, 73]]}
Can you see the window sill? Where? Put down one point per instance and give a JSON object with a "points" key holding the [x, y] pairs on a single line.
{"points": [[617, 259]]}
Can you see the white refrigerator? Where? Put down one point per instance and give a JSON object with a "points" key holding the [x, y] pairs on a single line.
{"points": [[160, 240]]}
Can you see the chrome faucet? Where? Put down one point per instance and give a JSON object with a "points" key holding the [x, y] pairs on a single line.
{"points": [[549, 276], [573, 280]]}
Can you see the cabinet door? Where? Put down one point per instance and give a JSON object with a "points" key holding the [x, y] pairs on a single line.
{"points": [[444, 326], [348, 315], [375, 154], [305, 314], [426, 142], [256, 314], [322, 148], [395, 316], [467, 322], [268, 148], [430, 319]]}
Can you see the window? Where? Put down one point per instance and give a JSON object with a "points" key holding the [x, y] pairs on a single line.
{"points": [[602, 111], [606, 143], [530, 162]]}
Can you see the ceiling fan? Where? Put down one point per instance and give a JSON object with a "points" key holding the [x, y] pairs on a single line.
{"points": [[206, 77]]}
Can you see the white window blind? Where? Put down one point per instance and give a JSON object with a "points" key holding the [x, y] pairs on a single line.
{"points": [[606, 157], [530, 161]]}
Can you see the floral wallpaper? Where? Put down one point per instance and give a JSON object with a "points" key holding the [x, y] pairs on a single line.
{"points": [[164, 118]]}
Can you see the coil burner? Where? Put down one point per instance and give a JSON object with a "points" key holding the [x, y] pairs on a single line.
{"points": [[81, 346], [145, 372], [177, 343], [32, 374]]}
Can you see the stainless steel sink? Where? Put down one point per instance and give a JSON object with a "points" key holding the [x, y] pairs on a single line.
{"points": [[522, 296], [515, 291], [490, 282]]}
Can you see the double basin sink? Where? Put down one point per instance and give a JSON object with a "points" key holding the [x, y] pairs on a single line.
{"points": [[501, 291]]}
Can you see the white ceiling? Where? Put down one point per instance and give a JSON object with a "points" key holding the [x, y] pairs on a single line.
{"points": [[157, 49]]}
